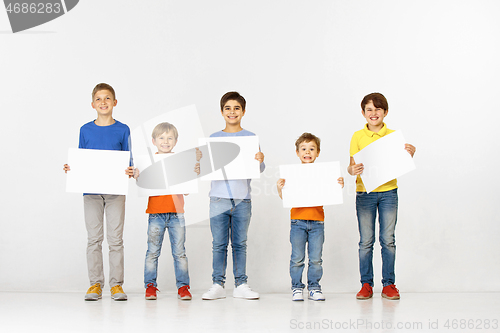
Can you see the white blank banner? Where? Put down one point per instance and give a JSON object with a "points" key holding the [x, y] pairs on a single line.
{"points": [[234, 155], [311, 184], [97, 171], [384, 160]]}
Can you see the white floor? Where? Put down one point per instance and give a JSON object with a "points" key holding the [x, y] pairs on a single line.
{"points": [[418, 312]]}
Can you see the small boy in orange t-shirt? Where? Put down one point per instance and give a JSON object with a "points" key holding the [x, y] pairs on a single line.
{"points": [[307, 226], [167, 212]]}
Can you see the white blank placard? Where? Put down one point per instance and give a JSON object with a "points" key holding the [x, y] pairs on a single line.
{"points": [[311, 184], [186, 121], [97, 171], [243, 166], [143, 162], [189, 130], [384, 160]]}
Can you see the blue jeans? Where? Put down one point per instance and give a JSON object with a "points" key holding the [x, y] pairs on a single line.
{"points": [[366, 208], [175, 224], [312, 233], [229, 219]]}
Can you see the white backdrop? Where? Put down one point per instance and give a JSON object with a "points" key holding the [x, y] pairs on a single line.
{"points": [[302, 66]]}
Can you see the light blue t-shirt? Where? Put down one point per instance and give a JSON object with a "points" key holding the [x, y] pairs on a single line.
{"points": [[234, 188]]}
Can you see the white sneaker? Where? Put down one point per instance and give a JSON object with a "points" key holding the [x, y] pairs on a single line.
{"points": [[316, 295], [216, 291], [297, 295], [244, 291]]}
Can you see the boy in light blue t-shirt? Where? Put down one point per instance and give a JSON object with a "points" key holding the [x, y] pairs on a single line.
{"points": [[230, 211]]}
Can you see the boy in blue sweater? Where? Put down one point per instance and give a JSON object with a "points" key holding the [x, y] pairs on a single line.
{"points": [[105, 133]]}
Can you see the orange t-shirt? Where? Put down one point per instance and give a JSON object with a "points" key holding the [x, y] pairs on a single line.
{"points": [[308, 213], [166, 204]]}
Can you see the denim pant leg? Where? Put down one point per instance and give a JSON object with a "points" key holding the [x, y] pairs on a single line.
{"points": [[388, 211], [156, 231], [298, 239], [220, 220], [315, 240], [93, 207], [177, 234], [240, 221], [366, 209], [115, 218]]}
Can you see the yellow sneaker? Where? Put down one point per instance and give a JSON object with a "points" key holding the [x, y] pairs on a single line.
{"points": [[117, 293], [94, 293]]}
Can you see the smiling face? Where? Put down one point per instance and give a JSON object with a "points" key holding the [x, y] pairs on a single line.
{"points": [[165, 142], [104, 101], [232, 112], [374, 116], [308, 152]]}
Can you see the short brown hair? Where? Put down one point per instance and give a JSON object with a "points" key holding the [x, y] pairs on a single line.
{"points": [[378, 100], [103, 86], [232, 96], [164, 128], [307, 137]]}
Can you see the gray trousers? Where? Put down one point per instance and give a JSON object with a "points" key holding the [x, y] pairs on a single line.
{"points": [[94, 208]]}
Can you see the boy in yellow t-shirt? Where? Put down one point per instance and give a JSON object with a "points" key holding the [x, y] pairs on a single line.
{"points": [[384, 199], [167, 212], [307, 226]]}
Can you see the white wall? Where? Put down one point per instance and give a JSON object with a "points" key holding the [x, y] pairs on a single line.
{"points": [[302, 66]]}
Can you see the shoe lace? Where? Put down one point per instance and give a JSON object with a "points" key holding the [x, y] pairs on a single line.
{"points": [[150, 286], [245, 287], [214, 287], [297, 291], [94, 289], [117, 289]]}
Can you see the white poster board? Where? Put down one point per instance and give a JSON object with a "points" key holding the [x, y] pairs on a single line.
{"points": [[311, 184], [384, 160], [175, 176], [97, 171], [232, 157], [163, 180]]}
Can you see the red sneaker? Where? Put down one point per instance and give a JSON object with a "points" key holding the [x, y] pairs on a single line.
{"points": [[366, 292], [151, 291], [183, 293], [390, 292]]}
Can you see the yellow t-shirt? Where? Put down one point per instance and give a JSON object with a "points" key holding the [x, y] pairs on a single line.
{"points": [[360, 140]]}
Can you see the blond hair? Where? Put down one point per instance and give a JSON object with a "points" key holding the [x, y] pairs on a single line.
{"points": [[164, 128]]}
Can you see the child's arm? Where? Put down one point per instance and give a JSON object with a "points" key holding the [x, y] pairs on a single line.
{"points": [[355, 169], [66, 168], [280, 184], [340, 180], [410, 149], [199, 155], [259, 157], [132, 172]]}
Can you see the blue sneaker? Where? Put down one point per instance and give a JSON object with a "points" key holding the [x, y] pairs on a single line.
{"points": [[297, 295], [316, 295]]}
